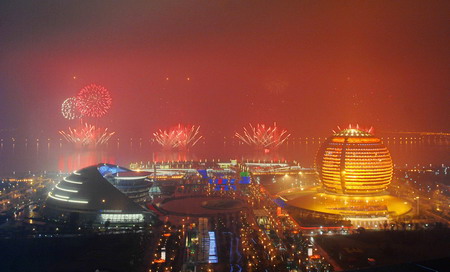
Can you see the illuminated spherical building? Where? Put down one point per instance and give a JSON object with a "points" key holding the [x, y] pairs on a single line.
{"points": [[354, 162], [354, 169]]}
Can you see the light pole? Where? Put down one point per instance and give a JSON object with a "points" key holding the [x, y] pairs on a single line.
{"points": [[417, 205]]}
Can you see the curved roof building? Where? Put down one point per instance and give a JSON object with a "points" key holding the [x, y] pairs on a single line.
{"points": [[98, 194], [354, 162]]}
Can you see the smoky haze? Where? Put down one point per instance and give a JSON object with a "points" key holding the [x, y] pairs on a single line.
{"points": [[308, 65]]}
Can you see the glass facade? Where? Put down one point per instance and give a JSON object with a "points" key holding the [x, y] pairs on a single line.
{"points": [[354, 162], [121, 218]]}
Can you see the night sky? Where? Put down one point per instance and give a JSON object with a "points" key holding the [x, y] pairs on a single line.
{"points": [[308, 65]]}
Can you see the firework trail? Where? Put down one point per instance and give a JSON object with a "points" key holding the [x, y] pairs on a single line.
{"points": [[263, 136], [87, 135], [182, 137]]}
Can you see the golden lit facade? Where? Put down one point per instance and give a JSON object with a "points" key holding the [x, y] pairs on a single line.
{"points": [[354, 162]]}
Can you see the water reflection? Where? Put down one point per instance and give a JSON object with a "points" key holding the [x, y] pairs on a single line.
{"points": [[83, 158], [24, 155], [174, 156]]}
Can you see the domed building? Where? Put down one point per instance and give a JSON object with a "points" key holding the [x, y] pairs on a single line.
{"points": [[354, 169], [99, 194], [354, 162]]}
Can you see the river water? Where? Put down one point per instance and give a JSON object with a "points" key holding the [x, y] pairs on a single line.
{"points": [[37, 155]]}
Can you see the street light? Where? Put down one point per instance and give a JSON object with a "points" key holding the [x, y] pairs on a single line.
{"points": [[418, 211]]}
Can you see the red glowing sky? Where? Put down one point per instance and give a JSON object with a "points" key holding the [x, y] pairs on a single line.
{"points": [[308, 65]]}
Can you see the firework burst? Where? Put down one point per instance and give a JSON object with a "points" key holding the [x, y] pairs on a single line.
{"points": [[182, 137], [94, 101], [353, 127], [263, 136], [87, 135], [69, 109], [189, 136], [167, 139]]}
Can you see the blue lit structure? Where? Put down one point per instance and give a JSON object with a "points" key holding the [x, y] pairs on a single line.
{"points": [[280, 202], [203, 173], [135, 185], [212, 258], [245, 180], [106, 169]]}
